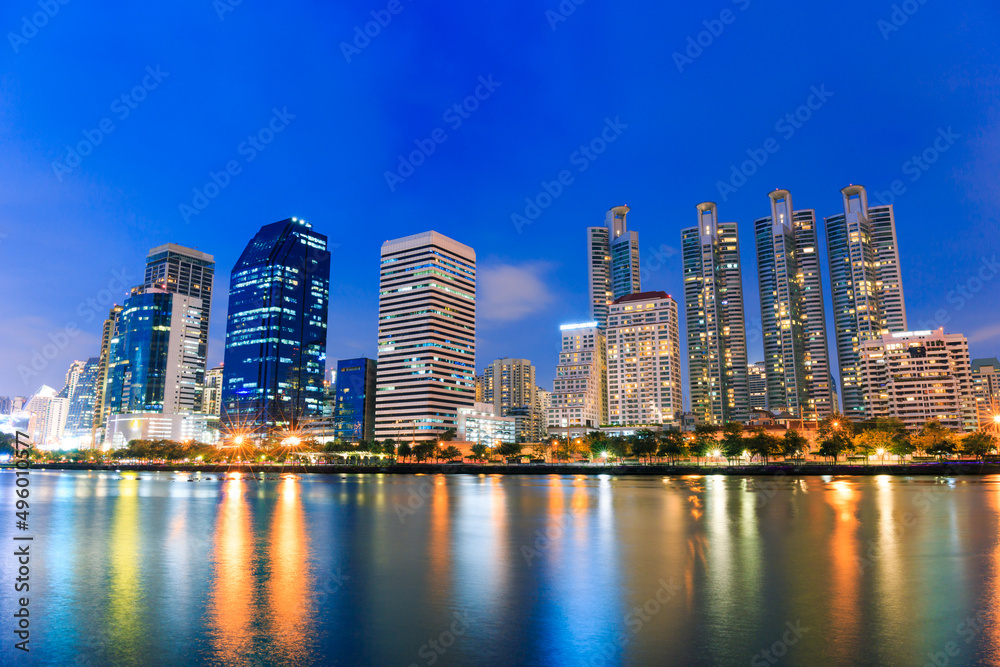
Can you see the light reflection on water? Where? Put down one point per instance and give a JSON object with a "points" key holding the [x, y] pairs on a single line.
{"points": [[539, 569]]}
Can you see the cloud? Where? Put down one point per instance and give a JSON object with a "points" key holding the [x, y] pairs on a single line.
{"points": [[984, 333], [512, 292]]}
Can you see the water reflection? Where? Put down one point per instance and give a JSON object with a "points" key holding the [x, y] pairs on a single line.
{"points": [[124, 622], [290, 582], [232, 602]]}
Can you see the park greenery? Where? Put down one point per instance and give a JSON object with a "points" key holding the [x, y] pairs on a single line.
{"points": [[837, 438]]}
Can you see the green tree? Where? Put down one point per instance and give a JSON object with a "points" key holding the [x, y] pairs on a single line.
{"points": [[934, 439], [978, 444], [794, 444], [672, 446], [448, 435], [763, 445], [424, 450], [539, 450], [404, 451], [510, 449], [874, 441], [597, 444], [451, 453], [480, 452], [835, 444], [733, 442], [643, 445]]}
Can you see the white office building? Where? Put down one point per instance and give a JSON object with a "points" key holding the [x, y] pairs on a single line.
{"points": [[578, 395]]}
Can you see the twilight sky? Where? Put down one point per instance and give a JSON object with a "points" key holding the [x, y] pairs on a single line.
{"points": [[183, 87]]}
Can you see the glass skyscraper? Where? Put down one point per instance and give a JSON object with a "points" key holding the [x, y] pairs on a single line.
{"points": [[612, 263], [354, 408], [276, 328]]}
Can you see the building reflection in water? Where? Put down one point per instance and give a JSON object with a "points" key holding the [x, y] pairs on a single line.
{"points": [[124, 626], [232, 602], [290, 582]]}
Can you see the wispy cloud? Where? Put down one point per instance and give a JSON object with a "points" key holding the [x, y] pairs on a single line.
{"points": [[512, 292], [984, 333]]}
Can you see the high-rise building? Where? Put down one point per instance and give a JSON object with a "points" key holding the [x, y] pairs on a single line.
{"points": [[986, 387], [509, 383], [154, 362], [211, 399], [644, 360], [918, 376], [578, 395], [793, 318], [757, 373], [866, 286], [276, 330], [189, 272], [354, 402], [613, 263], [716, 329], [101, 406], [426, 336], [82, 394], [6, 405]]}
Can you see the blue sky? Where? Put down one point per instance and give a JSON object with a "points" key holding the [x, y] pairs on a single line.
{"points": [[200, 78]]}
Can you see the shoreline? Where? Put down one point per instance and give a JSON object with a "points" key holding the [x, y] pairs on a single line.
{"points": [[953, 468]]}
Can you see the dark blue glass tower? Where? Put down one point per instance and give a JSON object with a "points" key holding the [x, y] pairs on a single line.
{"points": [[279, 295], [354, 411]]}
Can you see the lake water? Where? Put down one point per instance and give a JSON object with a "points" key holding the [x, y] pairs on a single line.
{"points": [[505, 570]]}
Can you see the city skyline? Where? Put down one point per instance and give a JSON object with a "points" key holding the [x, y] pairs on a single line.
{"points": [[124, 197]]}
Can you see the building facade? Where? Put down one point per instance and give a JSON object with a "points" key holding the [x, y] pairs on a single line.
{"points": [[509, 383], [276, 329], [716, 329], [792, 314], [918, 376], [354, 401], [986, 387], [481, 425], [643, 360], [211, 399], [866, 286], [82, 395], [757, 373], [426, 336], [189, 272], [578, 397], [612, 263]]}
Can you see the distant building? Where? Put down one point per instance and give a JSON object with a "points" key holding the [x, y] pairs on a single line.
{"points": [[918, 376], [123, 428], [354, 400], [612, 263], [509, 383], [792, 314], [527, 424], [716, 328], [6, 405], [47, 414], [643, 360], [578, 397], [866, 287], [426, 336], [102, 407], [276, 331], [82, 395], [211, 400], [757, 374], [481, 425], [986, 387]]}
